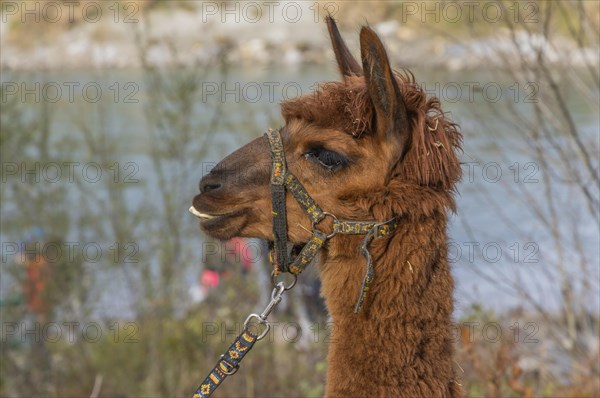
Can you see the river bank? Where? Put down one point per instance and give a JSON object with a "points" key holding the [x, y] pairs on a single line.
{"points": [[123, 35]]}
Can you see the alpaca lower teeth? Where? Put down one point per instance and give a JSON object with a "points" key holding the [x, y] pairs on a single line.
{"points": [[195, 212]]}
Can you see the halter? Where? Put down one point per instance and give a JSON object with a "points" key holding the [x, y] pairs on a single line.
{"points": [[281, 181]]}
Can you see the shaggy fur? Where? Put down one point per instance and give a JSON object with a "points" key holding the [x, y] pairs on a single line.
{"points": [[402, 162], [346, 106]]}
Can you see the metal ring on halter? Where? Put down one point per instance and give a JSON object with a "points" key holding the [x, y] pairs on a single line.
{"points": [[260, 321], [288, 287], [326, 213], [234, 368]]}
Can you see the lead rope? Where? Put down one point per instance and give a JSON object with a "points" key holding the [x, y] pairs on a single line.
{"points": [[229, 363]]}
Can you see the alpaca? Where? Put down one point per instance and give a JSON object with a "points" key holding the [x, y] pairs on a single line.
{"points": [[371, 147]]}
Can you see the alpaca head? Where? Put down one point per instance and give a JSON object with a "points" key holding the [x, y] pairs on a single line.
{"points": [[351, 144]]}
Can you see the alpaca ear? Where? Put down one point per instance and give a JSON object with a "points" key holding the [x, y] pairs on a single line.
{"points": [[346, 62], [384, 92]]}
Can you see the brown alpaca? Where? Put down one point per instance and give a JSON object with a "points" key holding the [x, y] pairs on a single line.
{"points": [[371, 147]]}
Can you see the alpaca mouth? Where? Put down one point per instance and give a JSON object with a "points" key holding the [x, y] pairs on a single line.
{"points": [[201, 216], [223, 225], [207, 217]]}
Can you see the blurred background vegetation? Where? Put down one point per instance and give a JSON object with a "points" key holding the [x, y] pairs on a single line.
{"points": [[181, 84]]}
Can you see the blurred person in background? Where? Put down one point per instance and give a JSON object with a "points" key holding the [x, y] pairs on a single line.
{"points": [[37, 275], [219, 260]]}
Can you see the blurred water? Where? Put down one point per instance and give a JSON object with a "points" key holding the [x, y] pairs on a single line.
{"points": [[249, 101]]}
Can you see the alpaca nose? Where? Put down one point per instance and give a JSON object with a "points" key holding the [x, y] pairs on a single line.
{"points": [[209, 183]]}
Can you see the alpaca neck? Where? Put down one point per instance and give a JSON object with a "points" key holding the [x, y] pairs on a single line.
{"points": [[399, 344]]}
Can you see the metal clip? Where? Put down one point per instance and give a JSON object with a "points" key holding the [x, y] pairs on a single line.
{"points": [[276, 296], [260, 321], [275, 299]]}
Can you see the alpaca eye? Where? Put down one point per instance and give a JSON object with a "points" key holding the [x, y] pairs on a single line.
{"points": [[325, 158]]}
